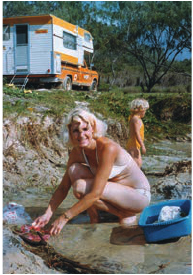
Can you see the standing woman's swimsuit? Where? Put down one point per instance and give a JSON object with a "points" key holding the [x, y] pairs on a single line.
{"points": [[132, 142], [117, 169]]}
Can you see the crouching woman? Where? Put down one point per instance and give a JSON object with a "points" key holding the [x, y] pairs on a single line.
{"points": [[102, 174]]}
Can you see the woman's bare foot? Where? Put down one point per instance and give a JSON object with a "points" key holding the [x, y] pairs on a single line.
{"points": [[93, 214], [128, 220]]}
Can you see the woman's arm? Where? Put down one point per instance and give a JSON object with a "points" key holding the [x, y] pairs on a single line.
{"points": [[58, 196], [108, 155]]}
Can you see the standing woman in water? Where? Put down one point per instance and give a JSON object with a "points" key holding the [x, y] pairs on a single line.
{"points": [[102, 174]]}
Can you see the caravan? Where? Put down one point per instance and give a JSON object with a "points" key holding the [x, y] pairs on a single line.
{"points": [[46, 49]]}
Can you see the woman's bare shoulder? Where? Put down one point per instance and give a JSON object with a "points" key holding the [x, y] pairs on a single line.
{"points": [[107, 144]]}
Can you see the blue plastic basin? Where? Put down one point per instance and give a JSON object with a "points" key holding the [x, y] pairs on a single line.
{"points": [[157, 231]]}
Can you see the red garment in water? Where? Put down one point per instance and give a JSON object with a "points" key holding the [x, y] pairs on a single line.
{"points": [[31, 235]]}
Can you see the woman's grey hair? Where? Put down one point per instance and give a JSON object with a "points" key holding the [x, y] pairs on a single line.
{"points": [[78, 115]]}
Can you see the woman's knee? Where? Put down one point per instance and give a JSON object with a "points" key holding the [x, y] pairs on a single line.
{"points": [[79, 188], [78, 171], [74, 171]]}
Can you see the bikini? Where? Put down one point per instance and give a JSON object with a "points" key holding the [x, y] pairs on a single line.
{"points": [[116, 170]]}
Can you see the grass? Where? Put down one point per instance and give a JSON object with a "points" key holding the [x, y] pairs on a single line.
{"points": [[56, 102], [111, 104]]}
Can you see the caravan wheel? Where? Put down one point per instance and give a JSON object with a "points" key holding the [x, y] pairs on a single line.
{"points": [[93, 86], [67, 84]]}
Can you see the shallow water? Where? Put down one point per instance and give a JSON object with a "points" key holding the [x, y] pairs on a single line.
{"points": [[158, 156], [117, 250], [163, 153], [168, 148]]}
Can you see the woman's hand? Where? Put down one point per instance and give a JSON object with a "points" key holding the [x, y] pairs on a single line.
{"points": [[41, 221], [57, 225]]}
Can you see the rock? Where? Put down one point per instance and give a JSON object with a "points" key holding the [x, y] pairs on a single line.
{"points": [[175, 182], [81, 104], [17, 260], [118, 250], [180, 166], [33, 151], [35, 156], [118, 132]]}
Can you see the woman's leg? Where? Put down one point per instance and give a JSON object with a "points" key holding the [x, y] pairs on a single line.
{"points": [[136, 155], [124, 216], [79, 171], [93, 214], [117, 199], [124, 197]]}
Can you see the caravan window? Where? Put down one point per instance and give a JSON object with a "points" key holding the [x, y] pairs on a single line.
{"points": [[87, 37], [22, 35], [87, 58], [69, 41], [6, 32]]}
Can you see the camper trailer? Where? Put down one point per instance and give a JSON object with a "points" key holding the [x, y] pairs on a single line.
{"points": [[46, 49]]}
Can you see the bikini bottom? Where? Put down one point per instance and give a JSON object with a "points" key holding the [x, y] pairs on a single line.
{"points": [[145, 193]]}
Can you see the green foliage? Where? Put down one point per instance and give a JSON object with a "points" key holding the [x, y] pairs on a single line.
{"points": [[180, 89], [113, 103], [55, 103], [149, 34], [15, 92], [183, 66]]}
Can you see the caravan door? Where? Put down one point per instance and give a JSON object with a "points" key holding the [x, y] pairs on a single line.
{"points": [[21, 49]]}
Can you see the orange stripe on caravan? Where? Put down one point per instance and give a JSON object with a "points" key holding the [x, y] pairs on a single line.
{"points": [[64, 24], [32, 20], [43, 19], [81, 32], [59, 22], [68, 58], [41, 31]]}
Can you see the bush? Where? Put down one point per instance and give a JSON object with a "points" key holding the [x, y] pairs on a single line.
{"points": [[132, 90], [4, 80], [104, 87]]}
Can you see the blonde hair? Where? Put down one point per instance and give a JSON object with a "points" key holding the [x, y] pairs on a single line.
{"points": [[139, 104], [78, 115]]}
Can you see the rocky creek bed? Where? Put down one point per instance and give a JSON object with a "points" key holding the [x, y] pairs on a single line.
{"points": [[34, 161]]}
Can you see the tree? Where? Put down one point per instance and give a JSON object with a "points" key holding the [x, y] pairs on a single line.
{"points": [[17, 8], [108, 54], [152, 32], [155, 32]]}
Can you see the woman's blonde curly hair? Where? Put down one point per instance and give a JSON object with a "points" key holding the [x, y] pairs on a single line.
{"points": [[78, 115]]}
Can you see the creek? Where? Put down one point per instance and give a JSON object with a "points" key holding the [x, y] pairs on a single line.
{"points": [[159, 155], [104, 247]]}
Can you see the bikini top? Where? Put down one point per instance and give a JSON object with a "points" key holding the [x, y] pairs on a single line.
{"points": [[116, 169]]}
